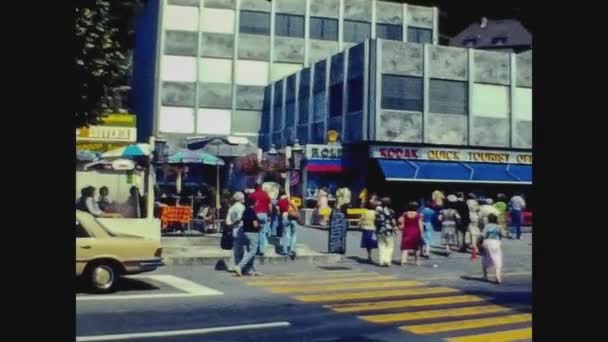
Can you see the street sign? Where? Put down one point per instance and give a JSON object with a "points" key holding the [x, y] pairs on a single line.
{"points": [[338, 226]]}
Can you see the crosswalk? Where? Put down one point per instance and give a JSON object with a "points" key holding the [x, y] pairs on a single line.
{"points": [[412, 306]]}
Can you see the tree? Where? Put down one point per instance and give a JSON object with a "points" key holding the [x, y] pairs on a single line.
{"points": [[104, 36]]}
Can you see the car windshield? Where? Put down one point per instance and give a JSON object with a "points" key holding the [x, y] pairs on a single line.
{"points": [[89, 222]]}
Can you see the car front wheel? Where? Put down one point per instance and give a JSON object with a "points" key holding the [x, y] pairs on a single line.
{"points": [[103, 277]]}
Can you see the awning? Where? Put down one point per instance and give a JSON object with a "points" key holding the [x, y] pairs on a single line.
{"points": [[324, 165], [435, 171]]}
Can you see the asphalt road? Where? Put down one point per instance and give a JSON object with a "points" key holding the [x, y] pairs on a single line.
{"points": [[216, 306]]}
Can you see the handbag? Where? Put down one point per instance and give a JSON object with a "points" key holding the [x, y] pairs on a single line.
{"points": [[227, 240]]}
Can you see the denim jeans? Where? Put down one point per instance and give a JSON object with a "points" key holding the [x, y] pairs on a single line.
{"points": [[250, 247], [264, 232], [274, 224], [516, 222], [289, 235]]}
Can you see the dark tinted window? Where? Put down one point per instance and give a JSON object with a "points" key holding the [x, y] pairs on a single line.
{"points": [[402, 92], [449, 97], [323, 28], [419, 35], [355, 94], [391, 32], [287, 25], [304, 95], [356, 31], [254, 22]]}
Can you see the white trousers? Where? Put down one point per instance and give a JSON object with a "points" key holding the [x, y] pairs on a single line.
{"points": [[386, 245]]}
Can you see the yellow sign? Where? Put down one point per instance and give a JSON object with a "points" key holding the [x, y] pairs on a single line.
{"points": [[122, 120], [98, 146], [332, 136]]}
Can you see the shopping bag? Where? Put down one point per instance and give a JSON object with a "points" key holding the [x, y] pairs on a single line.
{"points": [[227, 240]]}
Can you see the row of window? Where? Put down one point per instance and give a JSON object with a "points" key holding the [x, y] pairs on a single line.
{"points": [[287, 25]]}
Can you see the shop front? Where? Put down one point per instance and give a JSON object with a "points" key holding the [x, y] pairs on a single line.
{"points": [[411, 172]]}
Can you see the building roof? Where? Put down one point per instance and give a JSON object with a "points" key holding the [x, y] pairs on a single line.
{"points": [[511, 29]]}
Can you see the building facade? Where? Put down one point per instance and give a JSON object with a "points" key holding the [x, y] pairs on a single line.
{"points": [[203, 66], [407, 112]]}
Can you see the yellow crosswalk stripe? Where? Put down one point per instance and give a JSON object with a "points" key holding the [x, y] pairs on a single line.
{"points": [[502, 336], [428, 314], [319, 276], [340, 280], [349, 286], [408, 303], [434, 328], [335, 297]]}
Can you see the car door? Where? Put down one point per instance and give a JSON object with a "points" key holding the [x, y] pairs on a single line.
{"points": [[84, 247]]}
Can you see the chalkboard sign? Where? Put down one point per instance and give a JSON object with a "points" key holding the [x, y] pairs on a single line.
{"points": [[338, 226]]}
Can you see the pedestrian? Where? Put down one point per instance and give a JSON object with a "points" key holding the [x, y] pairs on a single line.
{"points": [[473, 229], [261, 207], [502, 207], [428, 217], [252, 229], [289, 215], [517, 204], [104, 203], [275, 217], [369, 240], [463, 224], [385, 231], [449, 219], [88, 204], [492, 250], [412, 227], [234, 221], [438, 199]]}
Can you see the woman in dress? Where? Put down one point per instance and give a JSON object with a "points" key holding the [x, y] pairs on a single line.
{"points": [[449, 218], [428, 217], [412, 228], [385, 231], [368, 228], [492, 250]]}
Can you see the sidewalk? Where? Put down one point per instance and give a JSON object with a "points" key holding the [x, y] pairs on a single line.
{"points": [[196, 249]]}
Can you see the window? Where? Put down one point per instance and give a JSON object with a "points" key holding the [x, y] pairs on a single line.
{"points": [[390, 32], [356, 31], [499, 40], [287, 25], [402, 93], [215, 70], [419, 35], [355, 94], [448, 97], [254, 22], [217, 20], [335, 99], [80, 231], [303, 96], [176, 120], [254, 73], [471, 42], [491, 100], [323, 28]]}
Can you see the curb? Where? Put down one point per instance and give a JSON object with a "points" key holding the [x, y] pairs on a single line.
{"points": [[279, 259]]}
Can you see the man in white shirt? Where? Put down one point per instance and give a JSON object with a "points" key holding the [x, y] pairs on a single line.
{"points": [[517, 204], [233, 219]]}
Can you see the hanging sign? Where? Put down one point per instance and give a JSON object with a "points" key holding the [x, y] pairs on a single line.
{"points": [[446, 154]]}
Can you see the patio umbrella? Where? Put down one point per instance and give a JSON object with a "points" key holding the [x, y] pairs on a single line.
{"points": [[186, 156], [133, 150]]}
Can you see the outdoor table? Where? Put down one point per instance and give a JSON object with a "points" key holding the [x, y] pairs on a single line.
{"points": [[173, 214]]}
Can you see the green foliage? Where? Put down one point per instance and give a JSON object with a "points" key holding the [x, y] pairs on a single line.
{"points": [[104, 35]]}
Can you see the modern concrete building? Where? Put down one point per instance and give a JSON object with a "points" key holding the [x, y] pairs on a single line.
{"points": [[202, 67], [427, 113]]}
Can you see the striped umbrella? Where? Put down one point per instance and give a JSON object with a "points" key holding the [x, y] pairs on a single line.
{"points": [[129, 151]]}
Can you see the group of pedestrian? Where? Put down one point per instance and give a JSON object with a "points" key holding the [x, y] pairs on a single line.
{"points": [[251, 218], [133, 207], [464, 224]]}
